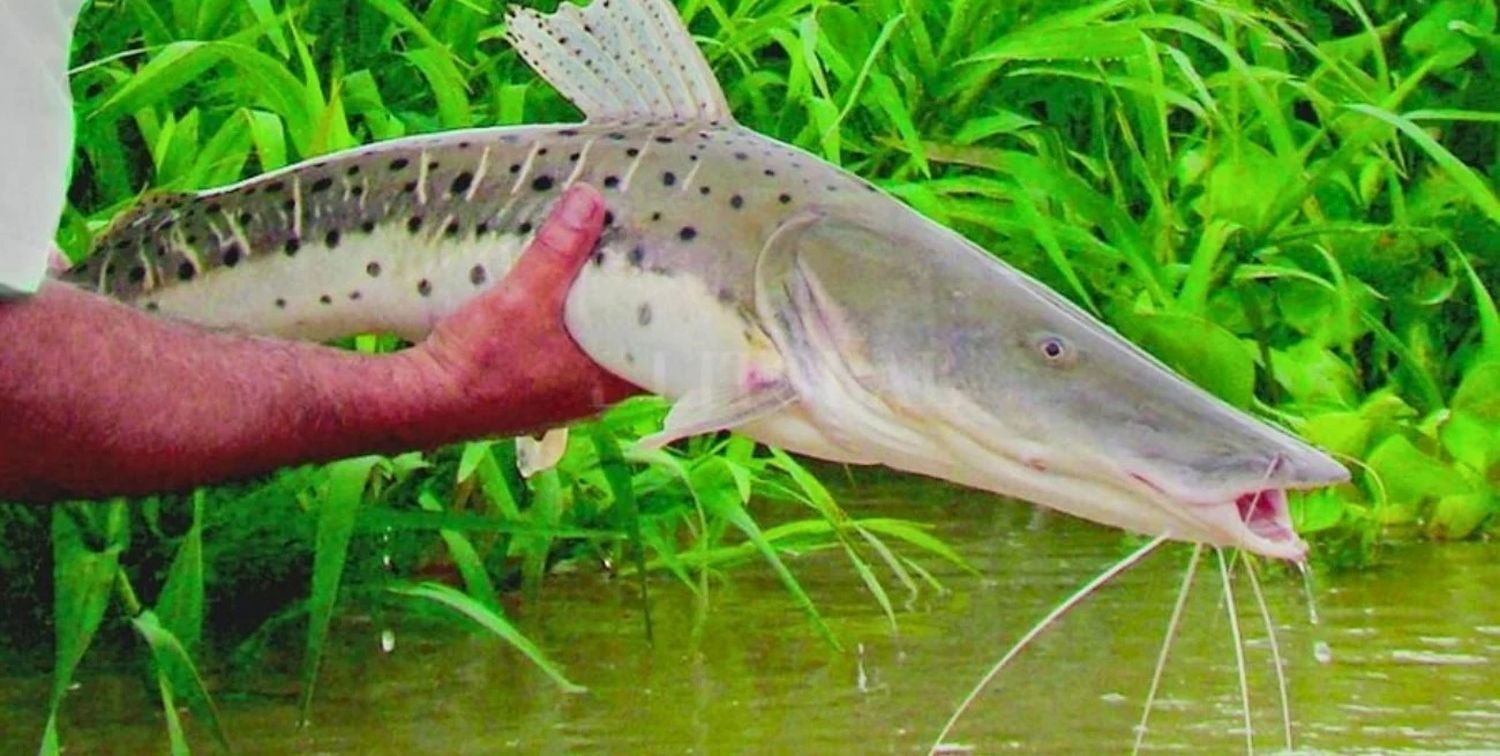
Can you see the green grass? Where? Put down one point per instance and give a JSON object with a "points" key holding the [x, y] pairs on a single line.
{"points": [[1292, 202]]}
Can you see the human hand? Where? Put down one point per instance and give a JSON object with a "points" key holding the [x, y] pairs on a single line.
{"points": [[507, 355]]}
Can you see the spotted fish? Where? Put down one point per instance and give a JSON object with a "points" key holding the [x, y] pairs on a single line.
{"points": [[756, 286]]}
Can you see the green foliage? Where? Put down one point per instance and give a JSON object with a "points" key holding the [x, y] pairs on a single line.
{"points": [[1292, 202]]}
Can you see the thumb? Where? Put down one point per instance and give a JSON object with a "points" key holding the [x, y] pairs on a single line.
{"points": [[549, 264]]}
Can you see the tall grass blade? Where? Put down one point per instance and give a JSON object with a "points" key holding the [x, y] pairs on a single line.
{"points": [[175, 671], [491, 620], [337, 511]]}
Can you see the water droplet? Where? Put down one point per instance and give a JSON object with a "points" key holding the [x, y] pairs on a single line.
{"points": [[1308, 591], [1322, 652], [387, 640]]}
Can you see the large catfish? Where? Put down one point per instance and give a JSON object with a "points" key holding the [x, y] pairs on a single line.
{"points": [[755, 285]]}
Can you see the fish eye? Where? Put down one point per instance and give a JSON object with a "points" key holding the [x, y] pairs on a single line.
{"points": [[1056, 351]]}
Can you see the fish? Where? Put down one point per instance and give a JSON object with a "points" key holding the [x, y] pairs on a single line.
{"points": [[754, 285]]}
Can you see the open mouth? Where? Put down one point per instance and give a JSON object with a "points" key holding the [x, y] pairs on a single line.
{"points": [[1259, 521], [1265, 514]]}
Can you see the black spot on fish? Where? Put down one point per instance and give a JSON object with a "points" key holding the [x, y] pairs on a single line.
{"points": [[358, 191], [609, 217], [452, 229], [322, 185], [573, 158], [542, 151], [615, 135], [186, 271], [598, 258], [245, 218], [232, 254], [482, 228], [568, 132], [770, 172], [726, 296], [664, 140], [632, 152], [656, 216], [354, 295], [704, 190], [292, 245], [212, 208], [688, 233], [515, 167], [541, 183], [736, 202], [373, 269], [784, 198], [353, 171], [643, 314], [411, 186], [289, 204], [152, 307], [432, 165], [611, 182], [280, 304], [741, 156], [668, 178], [331, 238], [462, 182], [524, 228], [137, 273], [367, 226], [463, 145], [414, 224], [477, 275], [325, 299], [276, 187], [692, 158], [637, 254], [424, 287]]}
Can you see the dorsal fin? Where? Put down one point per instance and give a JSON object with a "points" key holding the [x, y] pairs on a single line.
{"points": [[621, 60]]}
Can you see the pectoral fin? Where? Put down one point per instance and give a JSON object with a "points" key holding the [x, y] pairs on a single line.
{"points": [[706, 411], [539, 455]]}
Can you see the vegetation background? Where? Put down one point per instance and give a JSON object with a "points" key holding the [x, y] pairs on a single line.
{"points": [[1291, 201]]}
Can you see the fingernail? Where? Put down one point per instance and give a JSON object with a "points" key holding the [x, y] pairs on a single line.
{"points": [[577, 208]]}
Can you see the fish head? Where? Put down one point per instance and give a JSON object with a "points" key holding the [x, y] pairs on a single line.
{"points": [[927, 353]]}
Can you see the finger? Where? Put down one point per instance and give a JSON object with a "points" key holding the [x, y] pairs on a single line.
{"points": [[562, 245]]}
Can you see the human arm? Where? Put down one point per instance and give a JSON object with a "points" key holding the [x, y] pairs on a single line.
{"points": [[98, 399]]}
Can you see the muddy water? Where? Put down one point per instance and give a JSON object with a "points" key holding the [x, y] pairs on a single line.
{"points": [[1410, 659]]}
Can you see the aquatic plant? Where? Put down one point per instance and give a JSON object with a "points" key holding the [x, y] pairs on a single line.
{"points": [[1291, 202]]}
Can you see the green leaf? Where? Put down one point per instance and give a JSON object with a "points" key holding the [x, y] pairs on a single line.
{"points": [[337, 511], [1473, 184], [1201, 350], [1435, 33], [491, 620], [82, 579], [175, 670], [1411, 475], [719, 499]]}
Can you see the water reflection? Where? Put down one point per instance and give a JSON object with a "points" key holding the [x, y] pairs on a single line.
{"points": [[1402, 659]]}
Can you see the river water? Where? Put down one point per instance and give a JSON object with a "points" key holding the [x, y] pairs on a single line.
{"points": [[1404, 659]]}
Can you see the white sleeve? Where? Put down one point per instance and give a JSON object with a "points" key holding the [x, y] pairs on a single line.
{"points": [[36, 135]]}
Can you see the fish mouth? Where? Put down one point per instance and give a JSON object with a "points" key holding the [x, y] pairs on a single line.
{"points": [[1257, 519]]}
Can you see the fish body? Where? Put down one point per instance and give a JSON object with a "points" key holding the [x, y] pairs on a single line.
{"points": [[755, 285]]}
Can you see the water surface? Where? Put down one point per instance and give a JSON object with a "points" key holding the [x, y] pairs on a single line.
{"points": [[1412, 647]]}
